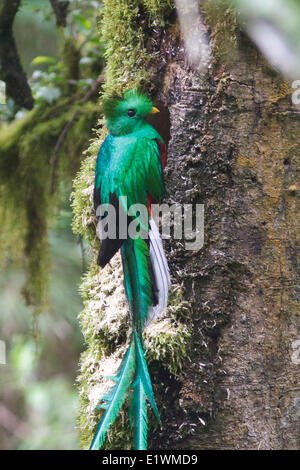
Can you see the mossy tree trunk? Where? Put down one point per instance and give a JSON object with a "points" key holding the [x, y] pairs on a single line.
{"points": [[234, 138]]}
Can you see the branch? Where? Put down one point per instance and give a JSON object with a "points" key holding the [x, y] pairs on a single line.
{"points": [[8, 13], [11, 71], [61, 11]]}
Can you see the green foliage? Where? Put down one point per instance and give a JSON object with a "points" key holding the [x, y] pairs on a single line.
{"points": [[158, 8], [50, 404], [36, 17], [84, 222], [73, 58], [43, 60]]}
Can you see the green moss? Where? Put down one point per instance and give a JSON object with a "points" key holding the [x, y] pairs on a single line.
{"points": [[123, 26], [167, 340], [27, 205], [84, 221], [158, 8], [168, 344], [70, 54]]}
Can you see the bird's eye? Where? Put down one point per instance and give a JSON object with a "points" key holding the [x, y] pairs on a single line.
{"points": [[131, 112]]}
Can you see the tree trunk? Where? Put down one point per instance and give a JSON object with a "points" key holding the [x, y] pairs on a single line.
{"points": [[234, 148], [235, 138]]}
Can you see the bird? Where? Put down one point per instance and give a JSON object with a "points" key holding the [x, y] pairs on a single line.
{"points": [[129, 172]]}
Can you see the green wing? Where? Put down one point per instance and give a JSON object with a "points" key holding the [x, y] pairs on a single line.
{"points": [[135, 171], [144, 173], [102, 164], [103, 160]]}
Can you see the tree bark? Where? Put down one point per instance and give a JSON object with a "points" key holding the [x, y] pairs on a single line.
{"points": [[60, 10], [11, 70], [234, 148]]}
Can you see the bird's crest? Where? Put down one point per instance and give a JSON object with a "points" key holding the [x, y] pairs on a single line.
{"points": [[136, 99]]}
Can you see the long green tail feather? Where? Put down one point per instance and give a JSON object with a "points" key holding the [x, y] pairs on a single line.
{"points": [[138, 416], [144, 375], [117, 396], [136, 264]]}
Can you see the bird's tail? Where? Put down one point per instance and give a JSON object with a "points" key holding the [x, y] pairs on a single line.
{"points": [[113, 401], [133, 373], [142, 390], [146, 279], [142, 295]]}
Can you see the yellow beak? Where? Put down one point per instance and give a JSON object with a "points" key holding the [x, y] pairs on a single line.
{"points": [[154, 110]]}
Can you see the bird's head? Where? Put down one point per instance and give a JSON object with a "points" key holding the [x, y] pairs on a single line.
{"points": [[127, 114]]}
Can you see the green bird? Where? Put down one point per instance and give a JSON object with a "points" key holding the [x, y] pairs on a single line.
{"points": [[129, 173]]}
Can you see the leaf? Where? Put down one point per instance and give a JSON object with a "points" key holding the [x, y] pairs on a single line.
{"points": [[43, 59], [94, 41], [84, 22]]}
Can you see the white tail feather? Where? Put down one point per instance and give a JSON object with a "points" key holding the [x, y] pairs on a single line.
{"points": [[160, 271]]}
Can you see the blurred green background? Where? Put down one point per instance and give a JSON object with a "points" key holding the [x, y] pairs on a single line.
{"points": [[38, 398]]}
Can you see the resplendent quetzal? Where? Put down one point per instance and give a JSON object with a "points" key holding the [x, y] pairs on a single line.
{"points": [[129, 171]]}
